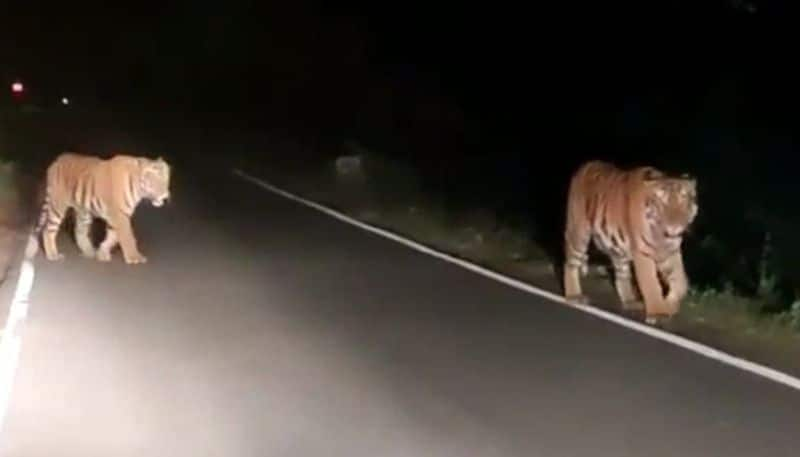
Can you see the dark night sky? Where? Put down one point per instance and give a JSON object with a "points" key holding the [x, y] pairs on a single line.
{"points": [[468, 45], [498, 65], [483, 92], [510, 95]]}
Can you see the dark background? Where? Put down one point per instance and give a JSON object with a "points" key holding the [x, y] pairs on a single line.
{"points": [[496, 103]]}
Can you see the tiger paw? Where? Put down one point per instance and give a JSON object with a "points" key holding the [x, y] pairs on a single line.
{"points": [[578, 299], [55, 257], [657, 320], [135, 259], [636, 314], [632, 305]]}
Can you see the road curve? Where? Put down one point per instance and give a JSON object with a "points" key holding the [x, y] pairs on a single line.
{"points": [[261, 328]]}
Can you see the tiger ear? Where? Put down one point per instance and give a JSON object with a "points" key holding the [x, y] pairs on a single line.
{"points": [[652, 176], [691, 181], [653, 181], [144, 163]]}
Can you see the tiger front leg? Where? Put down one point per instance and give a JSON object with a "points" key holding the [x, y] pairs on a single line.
{"points": [[647, 278], [624, 285], [127, 241], [674, 274], [109, 243]]}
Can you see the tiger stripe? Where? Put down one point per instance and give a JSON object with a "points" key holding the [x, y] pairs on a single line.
{"points": [[109, 189], [637, 218]]}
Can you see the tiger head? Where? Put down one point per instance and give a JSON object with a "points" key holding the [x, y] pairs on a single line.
{"points": [[154, 181], [671, 204]]}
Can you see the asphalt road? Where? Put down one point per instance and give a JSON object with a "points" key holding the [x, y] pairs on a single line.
{"points": [[262, 328]]}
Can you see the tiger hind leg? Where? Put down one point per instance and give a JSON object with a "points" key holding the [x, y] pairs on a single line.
{"points": [[52, 217], [576, 260], [83, 225]]}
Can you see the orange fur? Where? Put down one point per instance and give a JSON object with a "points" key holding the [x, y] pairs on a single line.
{"points": [[108, 189], [637, 217]]}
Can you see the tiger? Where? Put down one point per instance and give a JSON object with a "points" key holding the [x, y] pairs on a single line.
{"points": [[109, 189], [637, 217]]}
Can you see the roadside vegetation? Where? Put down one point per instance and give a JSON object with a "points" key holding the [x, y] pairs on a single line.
{"points": [[27, 136], [746, 309]]}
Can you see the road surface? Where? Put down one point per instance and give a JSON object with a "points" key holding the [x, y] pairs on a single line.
{"points": [[260, 327]]}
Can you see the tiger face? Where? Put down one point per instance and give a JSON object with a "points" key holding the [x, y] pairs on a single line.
{"points": [[672, 205], [155, 180]]}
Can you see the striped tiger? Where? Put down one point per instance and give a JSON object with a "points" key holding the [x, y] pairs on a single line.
{"points": [[109, 189], [638, 217]]}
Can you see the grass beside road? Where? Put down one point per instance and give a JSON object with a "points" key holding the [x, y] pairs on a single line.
{"points": [[386, 193]]}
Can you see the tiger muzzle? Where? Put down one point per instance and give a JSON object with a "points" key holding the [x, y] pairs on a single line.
{"points": [[674, 232], [160, 200]]}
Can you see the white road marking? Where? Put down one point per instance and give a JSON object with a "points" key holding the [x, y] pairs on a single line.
{"points": [[654, 332], [11, 340]]}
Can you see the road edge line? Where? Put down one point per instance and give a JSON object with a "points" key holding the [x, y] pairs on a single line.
{"points": [[11, 340], [685, 343]]}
